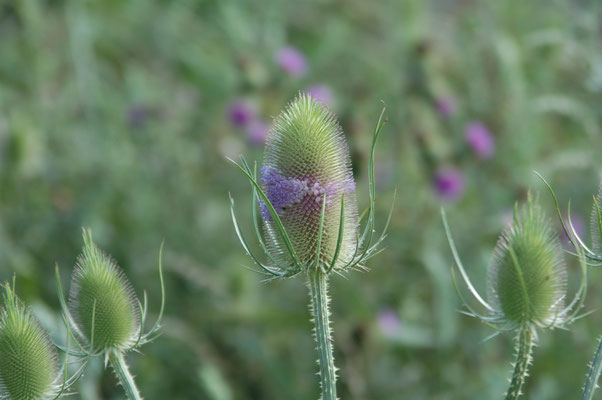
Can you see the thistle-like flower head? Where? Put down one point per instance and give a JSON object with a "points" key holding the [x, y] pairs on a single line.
{"points": [[102, 301], [306, 195], [103, 312], [29, 368], [307, 168], [527, 275]]}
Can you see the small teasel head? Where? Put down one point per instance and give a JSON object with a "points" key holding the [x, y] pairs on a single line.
{"points": [[102, 302], [29, 368], [527, 276], [307, 178]]}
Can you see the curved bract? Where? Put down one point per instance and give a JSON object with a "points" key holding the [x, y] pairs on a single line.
{"points": [[29, 368], [307, 168], [596, 225], [102, 301], [527, 277]]}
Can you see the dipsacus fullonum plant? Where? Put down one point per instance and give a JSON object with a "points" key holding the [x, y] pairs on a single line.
{"points": [[29, 367], [527, 285], [103, 312], [305, 196]]}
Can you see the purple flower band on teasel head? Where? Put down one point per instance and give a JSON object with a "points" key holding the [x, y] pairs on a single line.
{"points": [[284, 192], [480, 140], [281, 191]]}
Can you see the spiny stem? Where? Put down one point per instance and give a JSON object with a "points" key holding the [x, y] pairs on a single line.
{"points": [[594, 374], [524, 348], [318, 286], [117, 360]]}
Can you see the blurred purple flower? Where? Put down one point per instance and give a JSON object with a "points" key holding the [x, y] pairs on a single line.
{"points": [[480, 140], [322, 93], [292, 61], [137, 115], [388, 322], [578, 224], [241, 113], [257, 131], [449, 183], [446, 106]]}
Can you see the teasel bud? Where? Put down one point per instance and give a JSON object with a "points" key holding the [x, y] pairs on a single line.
{"points": [[102, 301], [29, 368], [104, 312], [527, 276], [527, 285]]}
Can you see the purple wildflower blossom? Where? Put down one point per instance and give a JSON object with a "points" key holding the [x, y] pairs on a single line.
{"points": [[257, 131], [241, 113], [292, 61], [322, 93], [449, 183], [305, 194], [388, 322], [446, 106], [480, 140]]}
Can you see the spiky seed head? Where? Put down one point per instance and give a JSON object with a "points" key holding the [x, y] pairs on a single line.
{"points": [[596, 225], [102, 301], [307, 159], [29, 368], [527, 276]]}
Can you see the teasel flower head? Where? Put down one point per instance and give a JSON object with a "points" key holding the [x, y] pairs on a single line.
{"points": [[102, 300], [29, 368], [103, 310], [305, 195], [527, 276]]}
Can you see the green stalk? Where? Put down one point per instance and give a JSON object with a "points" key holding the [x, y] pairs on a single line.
{"points": [[122, 372], [594, 374], [318, 286], [524, 347]]}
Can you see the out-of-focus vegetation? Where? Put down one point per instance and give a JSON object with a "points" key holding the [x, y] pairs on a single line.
{"points": [[118, 115]]}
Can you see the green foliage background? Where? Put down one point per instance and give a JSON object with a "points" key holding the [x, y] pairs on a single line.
{"points": [[113, 115]]}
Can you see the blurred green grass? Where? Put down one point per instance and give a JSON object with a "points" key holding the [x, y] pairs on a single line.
{"points": [[114, 115]]}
